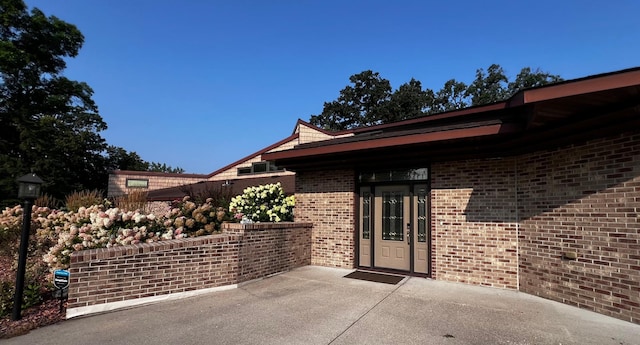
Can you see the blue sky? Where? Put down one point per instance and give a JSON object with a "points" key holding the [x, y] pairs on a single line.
{"points": [[200, 84]]}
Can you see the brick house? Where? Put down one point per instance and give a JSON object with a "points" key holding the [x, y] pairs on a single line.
{"points": [[249, 171], [539, 193]]}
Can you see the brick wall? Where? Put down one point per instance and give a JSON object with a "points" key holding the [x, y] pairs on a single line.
{"points": [[507, 222], [240, 253], [583, 199], [118, 181], [271, 248], [327, 199], [473, 222]]}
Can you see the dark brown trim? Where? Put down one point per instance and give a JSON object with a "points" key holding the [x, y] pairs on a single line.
{"points": [[154, 173], [584, 86], [436, 117], [255, 154], [396, 141]]}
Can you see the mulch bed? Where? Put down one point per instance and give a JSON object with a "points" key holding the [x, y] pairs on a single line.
{"points": [[47, 313]]}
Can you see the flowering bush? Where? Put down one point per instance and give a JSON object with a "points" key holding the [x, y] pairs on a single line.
{"points": [[266, 203], [186, 217], [10, 221], [60, 233], [93, 227], [36, 281]]}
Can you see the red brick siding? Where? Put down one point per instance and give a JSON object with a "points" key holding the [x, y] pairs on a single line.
{"points": [[327, 200], [583, 199], [473, 222], [122, 273]]}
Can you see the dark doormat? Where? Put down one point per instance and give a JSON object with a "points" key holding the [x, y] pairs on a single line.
{"points": [[375, 277]]}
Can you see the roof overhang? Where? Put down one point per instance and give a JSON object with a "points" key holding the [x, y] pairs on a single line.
{"points": [[533, 119]]}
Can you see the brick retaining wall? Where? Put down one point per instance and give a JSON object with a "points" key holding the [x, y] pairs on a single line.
{"points": [[110, 278]]}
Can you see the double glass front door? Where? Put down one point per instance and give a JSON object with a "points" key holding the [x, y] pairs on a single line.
{"points": [[393, 229]]}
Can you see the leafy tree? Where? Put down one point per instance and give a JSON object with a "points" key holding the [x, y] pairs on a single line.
{"points": [[49, 124], [120, 159], [336, 116], [527, 78], [158, 167], [369, 100], [452, 96], [408, 101], [488, 87], [360, 104]]}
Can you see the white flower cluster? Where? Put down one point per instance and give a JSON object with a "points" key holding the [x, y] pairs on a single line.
{"points": [[266, 203]]}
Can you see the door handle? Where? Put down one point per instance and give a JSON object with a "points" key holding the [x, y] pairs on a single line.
{"points": [[408, 233]]}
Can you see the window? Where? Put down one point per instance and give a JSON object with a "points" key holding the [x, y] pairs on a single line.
{"points": [[259, 168], [244, 171], [137, 183], [395, 175], [366, 215]]}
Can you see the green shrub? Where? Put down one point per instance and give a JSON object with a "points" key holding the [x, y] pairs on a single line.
{"points": [[31, 295], [6, 297]]}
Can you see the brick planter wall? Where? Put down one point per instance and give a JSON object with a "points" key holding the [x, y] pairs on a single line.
{"points": [[583, 199], [111, 278]]}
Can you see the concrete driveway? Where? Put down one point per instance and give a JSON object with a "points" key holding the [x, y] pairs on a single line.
{"points": [[315, 305]]}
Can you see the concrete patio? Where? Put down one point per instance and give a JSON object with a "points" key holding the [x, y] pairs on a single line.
{"points": [[316, 305]]}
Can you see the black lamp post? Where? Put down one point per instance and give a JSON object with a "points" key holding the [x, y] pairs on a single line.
{"points": [[29, 190]]}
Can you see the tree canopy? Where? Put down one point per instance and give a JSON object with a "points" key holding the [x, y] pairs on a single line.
{"points": [[49, 124], [370, 100]]}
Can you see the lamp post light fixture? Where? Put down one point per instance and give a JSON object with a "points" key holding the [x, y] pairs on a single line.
{"points": [[29, 186], [29, 190]]}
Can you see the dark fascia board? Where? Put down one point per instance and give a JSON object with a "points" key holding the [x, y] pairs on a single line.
{"points": [[591, 84], [263, 151], [154, 173], [480, 131], [436, 117]]}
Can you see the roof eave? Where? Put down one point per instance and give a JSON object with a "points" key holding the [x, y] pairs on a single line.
{"points": [[310, 153]]}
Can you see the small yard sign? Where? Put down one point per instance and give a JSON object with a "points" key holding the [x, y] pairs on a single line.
{"points": [[61, 279]]}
